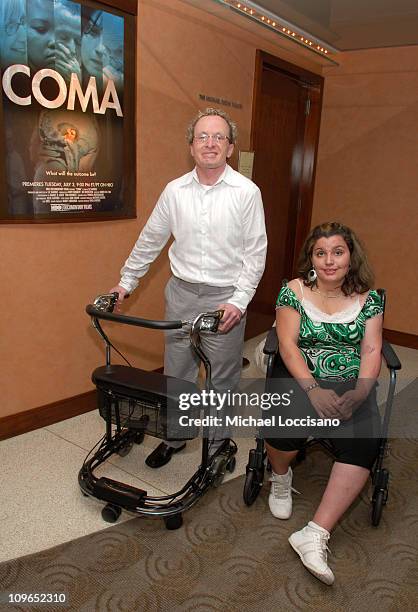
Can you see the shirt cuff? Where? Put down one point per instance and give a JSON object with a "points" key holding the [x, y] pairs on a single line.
{"points": [[129, 285], [240, 300]]}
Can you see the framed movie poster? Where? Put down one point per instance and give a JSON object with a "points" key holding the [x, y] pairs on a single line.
{"points": [[67, 111]]}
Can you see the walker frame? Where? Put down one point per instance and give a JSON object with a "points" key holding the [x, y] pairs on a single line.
{"points": [[144, 391]]}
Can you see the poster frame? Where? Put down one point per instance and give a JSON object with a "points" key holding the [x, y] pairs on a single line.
{"points": [[128, 9]]}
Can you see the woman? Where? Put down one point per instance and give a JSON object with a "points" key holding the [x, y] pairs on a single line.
{"points": [[53, 36], [40, 34], [329, 325]]}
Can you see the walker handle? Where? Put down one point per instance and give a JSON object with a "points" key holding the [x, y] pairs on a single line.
{"points": [[119, 318]]}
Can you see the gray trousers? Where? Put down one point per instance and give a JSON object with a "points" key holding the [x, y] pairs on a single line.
{"points": [[185, 301]]}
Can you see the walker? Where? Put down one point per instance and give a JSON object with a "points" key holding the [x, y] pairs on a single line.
{"points": [[134, 402]]}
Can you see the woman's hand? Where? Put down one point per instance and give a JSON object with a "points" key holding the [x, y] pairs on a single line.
{"points": [[66, 62], [325, 401], [349, 402]]}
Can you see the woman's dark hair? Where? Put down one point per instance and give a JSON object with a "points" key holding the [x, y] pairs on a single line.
{"points": [[359, 277]]}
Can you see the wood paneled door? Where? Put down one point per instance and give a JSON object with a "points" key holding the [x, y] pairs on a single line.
{"points": [[284, 138]]}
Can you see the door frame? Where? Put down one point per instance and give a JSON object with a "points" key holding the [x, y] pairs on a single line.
{"points": [[314, 83]]}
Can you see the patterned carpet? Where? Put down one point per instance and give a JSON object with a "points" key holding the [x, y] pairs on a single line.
{"points": [[228, 557]]}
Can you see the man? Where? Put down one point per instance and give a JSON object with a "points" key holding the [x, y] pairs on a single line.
{"points": [[217, 258]]}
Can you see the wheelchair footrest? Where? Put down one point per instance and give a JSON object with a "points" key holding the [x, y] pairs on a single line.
{"points": [[118, 493]]}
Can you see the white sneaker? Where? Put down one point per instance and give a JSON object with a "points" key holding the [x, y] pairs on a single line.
{"points": [[310, 543], [280, 498]]}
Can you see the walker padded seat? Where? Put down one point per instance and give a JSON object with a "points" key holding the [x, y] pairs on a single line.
{"points": [[138, 383], [136, 394]]}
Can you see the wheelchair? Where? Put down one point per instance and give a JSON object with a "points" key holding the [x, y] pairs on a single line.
{"points": [[257, 460], [134, 402]]}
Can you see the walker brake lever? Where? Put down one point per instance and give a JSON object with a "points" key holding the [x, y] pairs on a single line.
{"points": [[210, 321], [106, 302]]}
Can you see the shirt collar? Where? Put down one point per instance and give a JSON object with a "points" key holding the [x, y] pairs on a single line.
{"points": [[227, 176]]}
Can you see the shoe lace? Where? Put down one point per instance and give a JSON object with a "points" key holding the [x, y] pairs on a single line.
{"points": [[321, 545], [281, 489]]}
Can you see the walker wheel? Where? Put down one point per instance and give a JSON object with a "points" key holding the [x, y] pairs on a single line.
{"points": [[218, 468], [379, 500], [218, 479], [252, 486], [173, 522], [111, 513], [139, 437], [230, 466], [125, 449]]}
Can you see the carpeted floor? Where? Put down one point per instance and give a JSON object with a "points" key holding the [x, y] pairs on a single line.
{"points": [[228, 557]]}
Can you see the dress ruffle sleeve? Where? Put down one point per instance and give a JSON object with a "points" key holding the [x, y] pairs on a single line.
{"points": [[373, 305], [287, 297]]}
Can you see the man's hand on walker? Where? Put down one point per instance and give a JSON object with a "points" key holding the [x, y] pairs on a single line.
{"points": [[123, 293], [232, 316]]}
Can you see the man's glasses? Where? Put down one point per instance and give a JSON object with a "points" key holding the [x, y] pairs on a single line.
{"points": [[204, 138], [13, 26]]}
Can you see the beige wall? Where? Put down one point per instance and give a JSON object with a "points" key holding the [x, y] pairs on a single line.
{"points": [[367, 167], [366, 177], [49, 272]]}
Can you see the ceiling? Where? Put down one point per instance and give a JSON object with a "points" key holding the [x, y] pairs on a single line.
{"points": [[351, 24]]}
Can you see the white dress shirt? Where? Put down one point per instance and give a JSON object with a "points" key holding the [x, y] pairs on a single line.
{"points": [[219, 235]]}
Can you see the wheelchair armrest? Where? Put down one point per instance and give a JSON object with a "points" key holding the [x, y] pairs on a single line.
{"points": [[390, 356], [272, 343]]}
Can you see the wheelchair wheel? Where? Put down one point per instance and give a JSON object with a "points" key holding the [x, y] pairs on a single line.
{"points": [[111, 513], [173, 522], [252, 486], [379, 500]]}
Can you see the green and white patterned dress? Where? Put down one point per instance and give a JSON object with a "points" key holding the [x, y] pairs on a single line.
{"points": [[331, 350]]}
